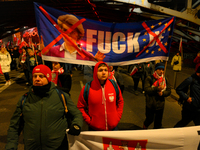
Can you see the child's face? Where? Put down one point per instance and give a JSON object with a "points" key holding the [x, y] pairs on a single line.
{"points": [[56, 66]]}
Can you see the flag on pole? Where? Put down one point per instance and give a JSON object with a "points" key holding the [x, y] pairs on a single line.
{"points": [[181, 48], [1, 70], [134, 70]]}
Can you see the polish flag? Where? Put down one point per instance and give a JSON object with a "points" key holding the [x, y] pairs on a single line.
{"points": [[134, 70], [1, 70]]}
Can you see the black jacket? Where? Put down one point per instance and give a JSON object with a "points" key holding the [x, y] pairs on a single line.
{"points": [[192, 83], [64, 82]]}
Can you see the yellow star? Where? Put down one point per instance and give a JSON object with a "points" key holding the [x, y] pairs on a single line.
{"points": [[152, 26], [147, 51], [145, 33], [144, 47], [159, 23], [165, 43], [159, 49], [152, 52], [165, 24], [169, 29], [144, 40]]}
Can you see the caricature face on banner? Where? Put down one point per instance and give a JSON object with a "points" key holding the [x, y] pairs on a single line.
{"points": [[73, 39]]}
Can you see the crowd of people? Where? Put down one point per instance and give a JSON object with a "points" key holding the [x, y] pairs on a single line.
{"points": [[46, 111]]}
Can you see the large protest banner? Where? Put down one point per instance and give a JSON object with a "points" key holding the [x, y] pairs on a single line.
{"points": [[186, 138], [121, 43]]}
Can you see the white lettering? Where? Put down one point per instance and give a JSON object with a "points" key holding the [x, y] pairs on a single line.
{"points": [[89, 40], [133, 42], [118, 48], [104, 47]]}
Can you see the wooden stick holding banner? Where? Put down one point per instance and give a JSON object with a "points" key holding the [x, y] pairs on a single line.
{"points": [[36, 61]]}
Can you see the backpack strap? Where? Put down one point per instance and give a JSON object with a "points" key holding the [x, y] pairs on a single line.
{"points": [[116, 87], [63, 98], [87, 88], [86, 91], [23, 99]]}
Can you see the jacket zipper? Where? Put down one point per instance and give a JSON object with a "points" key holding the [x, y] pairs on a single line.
{"points": [[104, 102]]}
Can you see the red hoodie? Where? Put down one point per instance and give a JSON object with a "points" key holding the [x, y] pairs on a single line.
{"points": [[104, 111]]}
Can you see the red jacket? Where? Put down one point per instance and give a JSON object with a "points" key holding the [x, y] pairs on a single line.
{"points": [[104, 111]]}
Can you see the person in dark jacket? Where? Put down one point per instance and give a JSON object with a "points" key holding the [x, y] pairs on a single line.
{"points": [[139, 74], [60, 78], [156, 89], [32, 60], [191, 100], [44, 115]]}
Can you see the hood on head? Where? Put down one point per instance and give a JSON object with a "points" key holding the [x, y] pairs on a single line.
{"points": [[96, 69]]}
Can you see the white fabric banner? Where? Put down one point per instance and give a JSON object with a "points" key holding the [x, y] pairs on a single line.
{"points": [[186, 138]]}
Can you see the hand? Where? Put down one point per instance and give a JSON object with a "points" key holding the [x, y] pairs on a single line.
{"points": [[161, 87], [99, 56], [74, 130], [189, 100], [160, 93]]}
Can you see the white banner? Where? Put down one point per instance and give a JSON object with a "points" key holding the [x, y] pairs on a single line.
{"points": [[186, 138]]}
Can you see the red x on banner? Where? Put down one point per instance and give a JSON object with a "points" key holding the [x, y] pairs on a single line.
{"points": [[155, 36], [62, 33]]}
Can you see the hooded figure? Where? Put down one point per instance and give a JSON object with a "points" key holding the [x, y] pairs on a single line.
{"points": [[191, 100], [104, 109]]}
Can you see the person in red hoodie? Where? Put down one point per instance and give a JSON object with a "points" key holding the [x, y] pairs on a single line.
{"points": [[103, 110]]}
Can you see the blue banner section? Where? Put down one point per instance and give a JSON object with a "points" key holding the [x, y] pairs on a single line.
{"points": [[121, 43]]}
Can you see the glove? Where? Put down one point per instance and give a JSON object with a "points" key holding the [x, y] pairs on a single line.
{"points": [[74, 130]]}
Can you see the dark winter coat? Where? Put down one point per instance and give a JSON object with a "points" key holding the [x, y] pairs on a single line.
{"points": [[193, 83], [45, 122], [153, 100]]}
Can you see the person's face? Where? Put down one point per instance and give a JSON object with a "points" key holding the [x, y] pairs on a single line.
{"points": [[31, 53], [74, 34], [177, 54], [39, 79], [23, 50], [102, 74], [56, 66], [111, 68], [2, 50], [160, 71], [198, 74]]}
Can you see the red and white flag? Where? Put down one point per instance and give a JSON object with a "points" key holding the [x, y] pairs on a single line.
{"points": [[180, 46], [1, 70], [134, 70], [181, 49]]}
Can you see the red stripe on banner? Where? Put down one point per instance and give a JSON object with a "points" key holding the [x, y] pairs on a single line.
{"points": [[52, 44], [62, 33], [155, 36]]}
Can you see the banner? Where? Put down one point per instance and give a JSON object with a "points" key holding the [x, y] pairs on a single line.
{"points": [[74, 39], [186, 138]]}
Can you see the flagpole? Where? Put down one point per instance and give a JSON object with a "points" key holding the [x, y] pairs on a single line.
{"points": [[181, 50]]}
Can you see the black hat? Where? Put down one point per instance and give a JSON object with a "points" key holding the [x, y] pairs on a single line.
{"points": [[160, 66]]}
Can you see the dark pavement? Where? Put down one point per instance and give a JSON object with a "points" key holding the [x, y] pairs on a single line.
{"points": [[134, 106]]}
